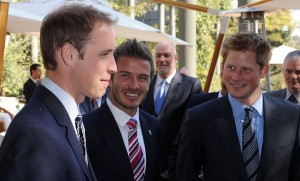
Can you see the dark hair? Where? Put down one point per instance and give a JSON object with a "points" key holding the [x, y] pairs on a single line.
{"points": [[34, 67], [72, 24], [133, 48], [248, 41]]}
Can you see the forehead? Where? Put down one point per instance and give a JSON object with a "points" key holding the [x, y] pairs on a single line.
{"points": [[133, 64], [164, 48], [292, 64], [241, 57]]}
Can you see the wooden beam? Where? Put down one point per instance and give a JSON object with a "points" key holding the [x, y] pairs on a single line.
{"points": [[3, 27], [211, 71], [256, 3], [184, 5]]}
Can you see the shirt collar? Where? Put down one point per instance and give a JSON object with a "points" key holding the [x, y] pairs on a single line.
{"points": [[238, 107], [168, 79], [120, 116], [67, 101]]}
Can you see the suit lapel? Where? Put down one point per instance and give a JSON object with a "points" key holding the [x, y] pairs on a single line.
{"points": [[225, 126], [148, 141], [63, 119], [110, 132], [271, 127], [173, 88], [148, 104]]}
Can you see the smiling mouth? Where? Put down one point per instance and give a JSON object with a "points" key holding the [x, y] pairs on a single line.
{"points": [[131, 95], [237, 85]]}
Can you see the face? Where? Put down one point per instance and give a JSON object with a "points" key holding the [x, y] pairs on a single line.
{"points": [[291, 73], [91, 74], [36, 74], [165, 59], [241, 76], [130, 84]]}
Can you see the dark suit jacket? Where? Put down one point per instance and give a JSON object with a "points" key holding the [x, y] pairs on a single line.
{"points": [[278, 93], [196, 99], [201, 98], [180, 91], [41, 144], [28, 89], [86, 106], [209, 138], [106, 149]]}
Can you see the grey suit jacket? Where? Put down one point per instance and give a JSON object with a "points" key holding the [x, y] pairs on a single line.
{"points": [[209, 138], [106, 149], [180, 91], [41, 144]]}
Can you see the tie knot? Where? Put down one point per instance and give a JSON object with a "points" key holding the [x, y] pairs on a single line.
{"points": [[293, 99], [163, 83], [249, 111], [78, 118], [132, 123]]}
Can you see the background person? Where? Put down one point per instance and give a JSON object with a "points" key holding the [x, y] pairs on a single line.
{"points": [[177, 92], [291, 74], [34, 80]]}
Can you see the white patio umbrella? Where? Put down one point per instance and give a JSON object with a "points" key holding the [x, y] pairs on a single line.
{"points": [[279, 53], [26, 17]]}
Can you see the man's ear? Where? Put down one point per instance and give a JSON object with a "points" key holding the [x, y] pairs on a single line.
{"points": [[67, 53], [264, 71]]}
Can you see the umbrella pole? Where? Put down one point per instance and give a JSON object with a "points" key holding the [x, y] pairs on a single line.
{"points": [[224, 25], [3, 28]]}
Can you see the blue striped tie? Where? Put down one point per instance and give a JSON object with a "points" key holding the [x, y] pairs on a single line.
{"points": [[250, 147]]}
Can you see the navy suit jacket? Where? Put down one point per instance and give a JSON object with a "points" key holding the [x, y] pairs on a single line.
{"points": [[209, 138], [28, 89], [41, 144], [194, 101], [179, 93], [201, 98], [86, 106], [278, 93], [106, 149]]}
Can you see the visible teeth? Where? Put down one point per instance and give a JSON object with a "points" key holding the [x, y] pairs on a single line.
{"points": [[131, 94], [237, 85]]}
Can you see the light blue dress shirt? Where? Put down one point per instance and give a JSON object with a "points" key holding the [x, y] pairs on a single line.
{"points": [[257, 119]]}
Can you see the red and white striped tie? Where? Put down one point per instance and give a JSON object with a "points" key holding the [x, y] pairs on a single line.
{"points": [[136, 157]]}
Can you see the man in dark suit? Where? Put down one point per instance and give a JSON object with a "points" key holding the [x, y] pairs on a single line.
{"points": [[41, 142], [107, 128], [291, 74], [32, 83], [178, 91], [201, 98], [89, 104], [222, 135], [196, 99]]}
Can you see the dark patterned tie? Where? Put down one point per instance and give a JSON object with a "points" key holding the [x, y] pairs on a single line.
{"points": [[250, 147], [160, 97], [293, 99], [136, 157], [94, 104], [80, 131]]}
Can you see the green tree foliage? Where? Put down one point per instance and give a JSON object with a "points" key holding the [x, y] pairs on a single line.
{"points": [[206, 30], [16, 65]]}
